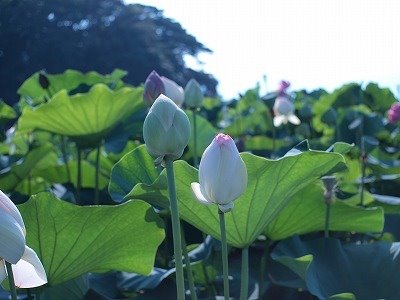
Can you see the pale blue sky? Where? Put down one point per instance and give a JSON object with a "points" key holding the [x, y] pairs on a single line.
{"points": [[311, 43]]}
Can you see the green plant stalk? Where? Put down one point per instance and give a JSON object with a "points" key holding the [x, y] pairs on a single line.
{"points": [[176, 229], [189, 273], [263, 266], [65, 158], [79, 177], [97, 176], [10, 276], [244, 282], [363, 168], [327, 216], [195, 158], [224, 247]]}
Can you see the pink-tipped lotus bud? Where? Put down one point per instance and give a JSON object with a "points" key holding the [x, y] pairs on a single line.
{"points": [[394, 113], [283, 86], [222, 174], [153, 87]]}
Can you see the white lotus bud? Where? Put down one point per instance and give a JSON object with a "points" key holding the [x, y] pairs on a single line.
{"points": [[222, 174], [193, 94], [166, 129]]}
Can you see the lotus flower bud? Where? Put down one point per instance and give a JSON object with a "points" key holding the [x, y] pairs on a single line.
{"points": [[283, 86], [166, 129], [330, 185], [43, 80], [222, 174], [193, 94], [394, 113], [173, 91], [284, 112], [153, 87]]}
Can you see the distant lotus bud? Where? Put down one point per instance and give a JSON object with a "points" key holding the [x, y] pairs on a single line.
{"points": [[173, 91], [330, 185], [284, 112], [222, 174], [193, 94], [153, 87], [283, 86], [394, 113], [166, 130], [43, 80]]}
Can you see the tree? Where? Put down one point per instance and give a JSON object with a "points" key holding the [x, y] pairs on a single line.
{"points": [[98, 35]]}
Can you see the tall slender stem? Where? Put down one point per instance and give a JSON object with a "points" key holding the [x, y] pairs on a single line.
{"points": [[195, 158], [97, 176], [327, 215], [189, 274], [363, 168], [262, 267], [244, 286], [65, 158], [176, 229], [224, 247], [79, 177], [10, 275]]}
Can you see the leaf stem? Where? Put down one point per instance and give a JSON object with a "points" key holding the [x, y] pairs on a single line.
{"points": [[244, 286], [224, 247], [65, 158], [195, 158], [10, 275], [327, 216], [189, 274], [264, 258], [176, 229], [97, 175], [79, 177]]}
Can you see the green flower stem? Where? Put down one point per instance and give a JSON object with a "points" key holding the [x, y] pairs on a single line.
{"points": [[363, 169], [189, 273], [176, 229], [10, 276], [327, 216], [195, 158], [97, 175], [263, 266], [244, 286], [79, 177], [64, 155], [224, 247]]}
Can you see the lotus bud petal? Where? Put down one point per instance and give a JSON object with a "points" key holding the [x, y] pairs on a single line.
{"points": [[173, 91], [193, 94], [394, 113], [9, 207], [222, 174], [153, 87], [166, 129], [12, 242], [29, 271], [283, 86]]}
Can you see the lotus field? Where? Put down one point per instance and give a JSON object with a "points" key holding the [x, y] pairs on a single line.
{"points": [[111, 191]]}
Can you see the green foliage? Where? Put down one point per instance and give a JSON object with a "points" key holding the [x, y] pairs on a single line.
{"points": [[260, 204], [72, 240]]}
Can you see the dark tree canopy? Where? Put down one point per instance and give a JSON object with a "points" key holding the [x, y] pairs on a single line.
{"points": [[98, 35]]}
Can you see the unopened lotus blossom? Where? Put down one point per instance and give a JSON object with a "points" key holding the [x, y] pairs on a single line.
{"points": [[222, 174], [283, 86], [193, 94], [166, 129], [27, 269], [394, 113], [155, 85], [284, 111]]}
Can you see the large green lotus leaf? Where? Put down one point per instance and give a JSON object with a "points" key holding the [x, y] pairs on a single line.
{"points": [[205, 133], [135, 167], [261, 142], [330, 268], [271, 186], [306, 213], [13, 176], [69, 80], [72, 240], [58, 174], [85, 118]]}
